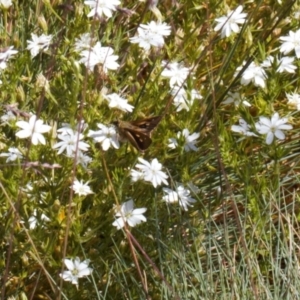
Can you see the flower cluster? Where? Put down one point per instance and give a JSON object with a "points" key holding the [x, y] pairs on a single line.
{"points": [[177, 74], [95, 51]]}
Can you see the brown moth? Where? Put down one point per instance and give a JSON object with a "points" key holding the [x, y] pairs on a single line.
{"points": [[138, 132]]}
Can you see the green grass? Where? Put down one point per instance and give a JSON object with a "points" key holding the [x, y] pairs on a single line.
{"points": [[239, 240]]}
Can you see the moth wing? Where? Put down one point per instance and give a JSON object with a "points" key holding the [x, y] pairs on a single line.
{"points": [[147, 124], [139, 140]]}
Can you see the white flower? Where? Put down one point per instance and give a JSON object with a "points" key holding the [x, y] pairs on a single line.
{"points": [[151, 34], [253, 73], [70, 142], [272, 127], [34, 129], [102, 7], [189, 141], [146, 40], [83, 159], [9, 116], [81, 189], [115, 101], [294, 99], [183, 99], [236, 99], [33, 219], [99, 55], [38, 43], [5, 55], [76, 269], [243, 128], [128, 215], [151, 172], [267, 62], [136, 175], [5, 3], [230, 23], [67, 128], [286, 65], [291, 42], [176, 72], [12, 155], [173, 143], [84, 42], [181, 195], [157, 28], [107, 136]]}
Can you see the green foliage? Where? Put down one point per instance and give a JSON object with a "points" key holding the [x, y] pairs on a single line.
{"points": [[238, 241]]}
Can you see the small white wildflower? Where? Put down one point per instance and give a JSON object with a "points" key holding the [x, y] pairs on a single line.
{"points": [[76, 270], [99, 55], [189, 141], [38, 44], [127, 214], [115, 101], [102, 7], [176, 72], [12, 154], [231, 22], [151, 172], [34, 129], [243, 128], [107, 136], [181, 195], [253, 73], [286, 65], [272, 127], [290, 43], [236, 99], [81, 189], [294, 100]]}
